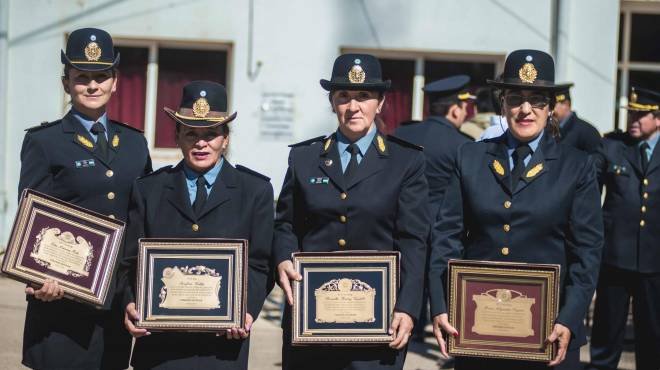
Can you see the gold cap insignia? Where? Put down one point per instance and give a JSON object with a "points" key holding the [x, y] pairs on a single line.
{"points": [[527, 73], [327, 144], [381, 144], [356, 75], [560, 98], [534, 171], [201, 108], [115, 141], [83, 140], [92, 52], [498, 167], [633, 97]]}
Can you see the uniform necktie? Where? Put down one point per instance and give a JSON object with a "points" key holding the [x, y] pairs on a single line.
{"points": [[519, 156], [200, 198], [351, 169], [101, 141], [645, 158]]}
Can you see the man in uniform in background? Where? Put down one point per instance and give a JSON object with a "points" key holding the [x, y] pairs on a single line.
{"points": [[574, 130], [628, 166]]}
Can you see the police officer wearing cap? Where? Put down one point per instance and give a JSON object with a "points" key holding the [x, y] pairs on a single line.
{"points": [[522, 197], [574, 130], [629, 168], [89, 160], [354, 189], [204, 196], [440, 134]]}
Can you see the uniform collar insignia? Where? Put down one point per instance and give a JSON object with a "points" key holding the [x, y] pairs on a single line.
{"points": [[534, 171], [326, 145], [380, 144], [115, 141], [497, 166], [84, 141]]}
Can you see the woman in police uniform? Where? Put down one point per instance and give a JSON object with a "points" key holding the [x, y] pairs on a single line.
{"points": [[203, 196], [89, 160], [374, 198], [521, 197]]}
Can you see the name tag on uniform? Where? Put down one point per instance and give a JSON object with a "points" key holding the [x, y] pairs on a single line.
{"points": [[83, 163], [319, 180]]}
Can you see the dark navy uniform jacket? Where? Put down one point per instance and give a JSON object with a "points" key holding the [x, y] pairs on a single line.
{"points": [[632, 202], [553, 217], [440, 140], [580, 134], [382, 208], [60, 159], [240, 206]]}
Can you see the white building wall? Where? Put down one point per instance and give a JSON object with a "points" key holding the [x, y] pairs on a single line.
{"points": [[297, 41]]}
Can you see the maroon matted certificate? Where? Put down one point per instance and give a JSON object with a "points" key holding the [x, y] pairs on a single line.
{"points": [[502, 310], [53, 239]]}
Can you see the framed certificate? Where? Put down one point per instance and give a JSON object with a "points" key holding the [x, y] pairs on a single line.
{"points": [[344, 297], [191, 284], [53, 239], [503, 310]]}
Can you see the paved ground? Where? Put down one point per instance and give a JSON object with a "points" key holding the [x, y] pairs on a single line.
{"points": [[264, 350]]}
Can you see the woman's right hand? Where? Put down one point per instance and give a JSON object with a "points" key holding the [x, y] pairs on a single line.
{"points": [[442, 326], [131, 315], [286, 273], [50, 291]]}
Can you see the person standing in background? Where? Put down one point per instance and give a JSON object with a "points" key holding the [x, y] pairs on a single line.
{"points": [[574, 131]]}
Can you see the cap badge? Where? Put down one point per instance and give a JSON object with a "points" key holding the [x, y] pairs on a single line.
{"points": [[633, 97], [498, 167], [356, 75], [201, 108], [534, 171], [527, 73], [92, 52]]}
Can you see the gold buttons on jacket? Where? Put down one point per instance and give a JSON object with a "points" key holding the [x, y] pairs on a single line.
{"points": [[646, 182], [343, 219], [506, 228], [111, 195], [111, 216], [195, 227], [343, 196], [109, 173], [642, 223], [507, 204], [646, 195], [505, 251], [341, 242], [643, 209]]}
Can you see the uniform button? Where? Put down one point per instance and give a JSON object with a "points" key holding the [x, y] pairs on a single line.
{"points": [[343, 196], [341, 242], [642, 223], [342, 218], [505, 251], [109, 173], [507, 204], [643, 209], [646, 195], [111, 195], [111, 216], [195, 227], [507, 227], [646, 182]]}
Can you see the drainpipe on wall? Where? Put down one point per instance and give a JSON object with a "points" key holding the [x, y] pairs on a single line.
{"points": [[4, 67]]}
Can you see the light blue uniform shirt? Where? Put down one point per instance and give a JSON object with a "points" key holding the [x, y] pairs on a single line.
{"points": [[512, 143], [210, 176], [651, 142], [87, 122], [362, 143]]}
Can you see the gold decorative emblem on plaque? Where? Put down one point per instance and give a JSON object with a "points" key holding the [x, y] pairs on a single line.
{"points": [[498, 167], [356, 75], [327, 144], [381, 143], [345, 301], [92, 52], [527, 73], [499, 313], [83, 140], [201, 108], [63, 252], [115, 141], [196, 287], [534, 171]]}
